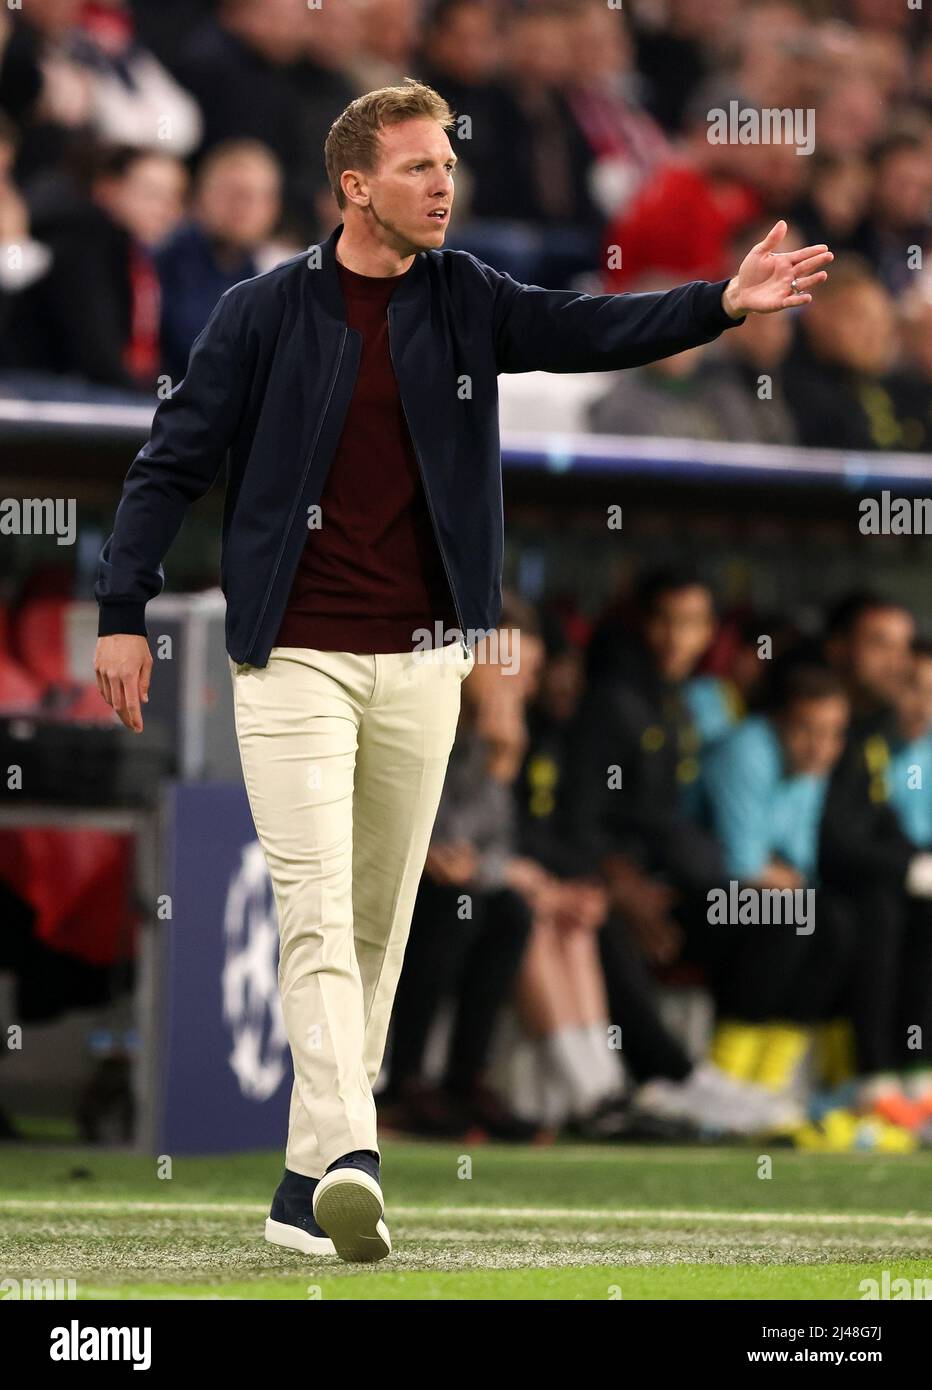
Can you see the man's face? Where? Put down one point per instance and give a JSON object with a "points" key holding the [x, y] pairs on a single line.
{"points": [[539, 48], [812, 733], [410, 194], [148, 200], [914, 703], [855, 326], [678, 630], [876, 655], [466, 46], [904, 187], [239, 200]]}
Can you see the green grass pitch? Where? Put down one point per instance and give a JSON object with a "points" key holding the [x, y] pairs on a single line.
{"points": [[566, 1222]]}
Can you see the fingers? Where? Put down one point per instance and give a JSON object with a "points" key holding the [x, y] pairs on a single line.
{"points": [[128, 707], [774, 237], [805, 253], [808, 282], [811, 264]]}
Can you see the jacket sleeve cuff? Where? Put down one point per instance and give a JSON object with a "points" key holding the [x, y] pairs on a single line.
{"points": [[710, 309], [122, 618]]}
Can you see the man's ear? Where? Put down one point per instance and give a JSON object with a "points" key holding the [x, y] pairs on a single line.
{"points": [[354, 188]]}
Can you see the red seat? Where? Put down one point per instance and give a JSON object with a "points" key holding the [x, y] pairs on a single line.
{"points": [[18, 689], [38, 639]]}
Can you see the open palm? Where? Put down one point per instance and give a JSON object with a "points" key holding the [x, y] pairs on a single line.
{"points": [[765, 281]]}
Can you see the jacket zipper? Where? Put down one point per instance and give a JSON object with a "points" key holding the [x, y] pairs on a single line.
{"points": [[307, 469], [430, 505]]}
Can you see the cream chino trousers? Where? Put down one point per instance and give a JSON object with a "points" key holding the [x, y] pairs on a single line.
{"points": [[344, 758]]}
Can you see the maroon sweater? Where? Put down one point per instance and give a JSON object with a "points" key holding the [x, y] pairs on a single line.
{"points": [[372, 573]]}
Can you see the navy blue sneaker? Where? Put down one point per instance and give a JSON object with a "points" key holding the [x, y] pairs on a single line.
{"points": [[291, 1221], [349, 1206]]}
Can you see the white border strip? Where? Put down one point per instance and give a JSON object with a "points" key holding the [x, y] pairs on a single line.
{"points": [[508, 1213]]}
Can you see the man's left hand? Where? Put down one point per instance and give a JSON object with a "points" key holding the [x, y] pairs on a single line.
{"points": [[769, 279]]}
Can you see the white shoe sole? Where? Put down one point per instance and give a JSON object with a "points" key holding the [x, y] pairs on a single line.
{"points": [[293, 1238], [349, 1206]]}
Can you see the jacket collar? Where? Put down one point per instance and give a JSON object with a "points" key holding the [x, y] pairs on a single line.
{"points": [[326, 284]]}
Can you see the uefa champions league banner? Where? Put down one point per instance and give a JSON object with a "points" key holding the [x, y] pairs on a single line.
{"points": [[225, 1064]]}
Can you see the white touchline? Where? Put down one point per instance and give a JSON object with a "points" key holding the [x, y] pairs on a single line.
{"points": [[513, 1213]]}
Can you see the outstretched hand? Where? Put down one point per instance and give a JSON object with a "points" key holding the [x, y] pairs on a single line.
{"points": [[769, 279]]}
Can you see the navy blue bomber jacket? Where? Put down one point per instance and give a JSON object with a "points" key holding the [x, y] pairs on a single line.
{"points": [[267, 388]]}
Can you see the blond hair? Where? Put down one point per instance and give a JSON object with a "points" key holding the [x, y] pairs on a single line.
{"points": [[353, 139]]}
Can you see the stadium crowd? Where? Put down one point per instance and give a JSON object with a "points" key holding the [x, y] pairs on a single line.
{"points": [[608, 787], [154, 153]]}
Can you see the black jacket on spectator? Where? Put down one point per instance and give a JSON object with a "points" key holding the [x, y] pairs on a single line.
{"points": [[289, 107], [76, 319], [835, 408], [539, 790], [501, 155], [639, 725], [861, 840]]}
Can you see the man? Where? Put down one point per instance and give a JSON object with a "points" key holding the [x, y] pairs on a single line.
{"points": [[867, 852], [236, 206], [764, 787], [95, 314], [381, 417], [837, 376]]}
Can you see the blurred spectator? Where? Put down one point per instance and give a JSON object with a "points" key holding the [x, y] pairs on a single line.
{"points": [[735, 672], [867, 849], [561, 995], [677, 46], [634, 718], [460, 58], [544, 154], [95, 314], [22, 259], [742, 382], [765, 782], [836, 376], [605, 96], [461, 52], [850, 117], [899, 219], [864, 854], [263, 70], [388, 39], [764, 786], [774, 64], [666, 399], [533, 214], [836, 201], [911, 386], [911, 765], [72, 69], [236, 205], [549, 718]]}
